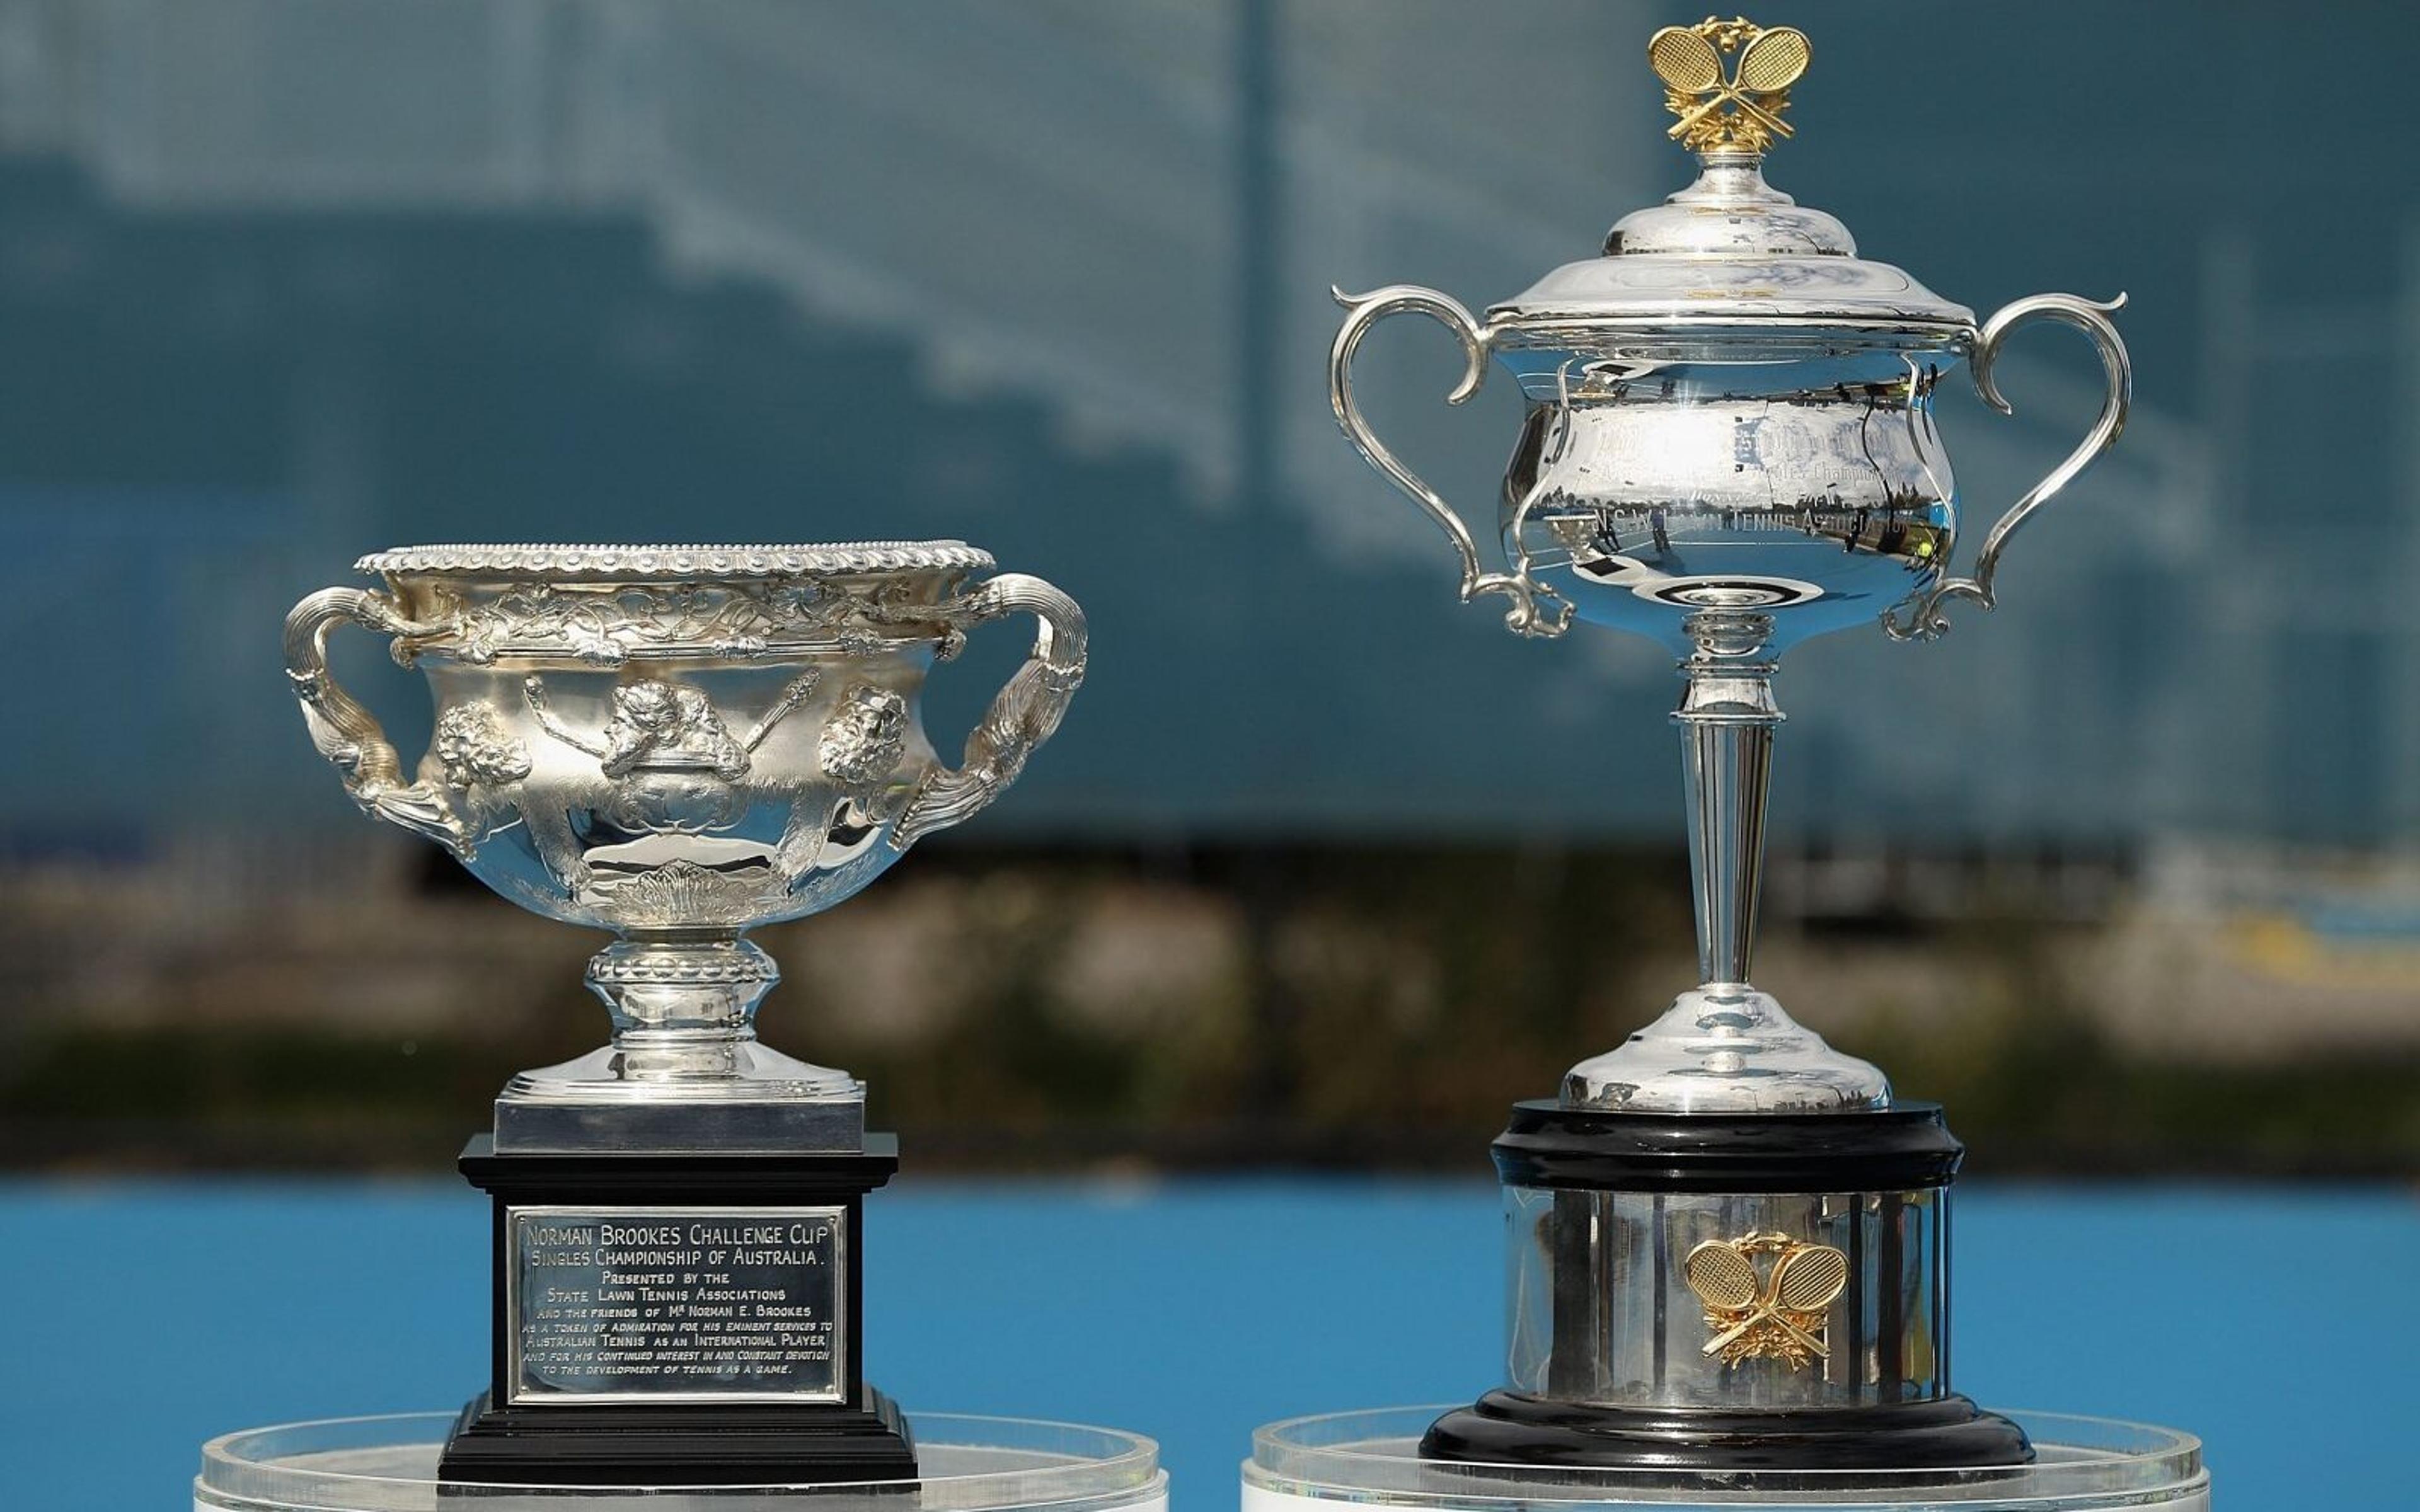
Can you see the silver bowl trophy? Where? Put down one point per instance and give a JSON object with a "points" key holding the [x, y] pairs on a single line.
{"points": [[677, 744], [1729, 1239]]}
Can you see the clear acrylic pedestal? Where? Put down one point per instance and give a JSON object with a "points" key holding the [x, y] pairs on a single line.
{"points": [[1371, 1459], [971, 1464]]}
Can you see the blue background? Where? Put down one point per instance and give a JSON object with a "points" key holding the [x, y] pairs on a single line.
{"points": [[281, 283], [144, 1317]]}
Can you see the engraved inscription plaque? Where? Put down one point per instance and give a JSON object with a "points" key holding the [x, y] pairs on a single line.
{"points": [[676, 1304]]}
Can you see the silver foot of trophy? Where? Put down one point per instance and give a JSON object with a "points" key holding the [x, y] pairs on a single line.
{"points": [[685, 1070]]}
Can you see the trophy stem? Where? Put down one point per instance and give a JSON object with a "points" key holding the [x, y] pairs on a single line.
{"points": [[1723, 1047], [674, 994], [1727, 718], [684, 1071]]}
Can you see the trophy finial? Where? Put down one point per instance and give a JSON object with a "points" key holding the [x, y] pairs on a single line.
{"points": [[1689, 60]]}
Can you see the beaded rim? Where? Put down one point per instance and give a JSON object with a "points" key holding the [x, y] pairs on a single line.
{"points": [[605, 561]]}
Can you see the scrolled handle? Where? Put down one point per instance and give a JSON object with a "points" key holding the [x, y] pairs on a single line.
{"points": [[1537, 610], [1926, 619], [348, 735], [1022, 715]]}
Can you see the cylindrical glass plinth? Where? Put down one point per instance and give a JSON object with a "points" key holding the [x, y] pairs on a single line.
{"points": [[971, 1464], [1314, 1464]]}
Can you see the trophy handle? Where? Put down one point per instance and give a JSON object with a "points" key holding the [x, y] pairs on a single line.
{"points": [[1925, 617], [348, 735], [1537, 610], [1024, 714]]}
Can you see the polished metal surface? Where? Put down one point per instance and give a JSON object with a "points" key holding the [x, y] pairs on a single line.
{"points": [[678, 743], [1730, 253], [675, 1304], [1724, 1046], [1923, 618], [1604, 1304], [1730, 416], [1534, 610]]}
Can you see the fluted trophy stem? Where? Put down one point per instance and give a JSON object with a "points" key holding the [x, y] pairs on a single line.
{"points": [[1727, 718]]}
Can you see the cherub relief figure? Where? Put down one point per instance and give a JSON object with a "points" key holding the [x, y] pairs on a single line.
{"points": [[859, 749], [664, 727], [666, 764]]}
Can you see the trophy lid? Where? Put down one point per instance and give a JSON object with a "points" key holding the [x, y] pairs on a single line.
{"points": [[1730, 252]]}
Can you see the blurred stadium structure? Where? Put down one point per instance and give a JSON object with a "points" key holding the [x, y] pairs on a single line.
{"points": [[283, 281]]}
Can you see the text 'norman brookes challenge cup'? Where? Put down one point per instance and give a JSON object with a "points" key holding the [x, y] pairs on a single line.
{"points": [[678, 743]]}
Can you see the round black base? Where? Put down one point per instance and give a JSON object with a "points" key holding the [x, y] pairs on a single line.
{"points": [[1896, 1148], [1507, 1427]]}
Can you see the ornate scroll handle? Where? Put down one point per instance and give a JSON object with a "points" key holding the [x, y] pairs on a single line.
{"points": [[1024, 714], [347, 733], [1925, 617], [1537, 610]]}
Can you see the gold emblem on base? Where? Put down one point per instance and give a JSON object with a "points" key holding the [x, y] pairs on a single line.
{"points": [[1777, 1314], [1689, 60]]}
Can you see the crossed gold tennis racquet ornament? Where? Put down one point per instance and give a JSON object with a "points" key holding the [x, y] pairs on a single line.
{"points": [[1777, 1315], [1689, 60]]}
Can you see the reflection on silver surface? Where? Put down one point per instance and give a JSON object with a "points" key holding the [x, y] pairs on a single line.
{"points": [[1728, 446], [1924, 617], [678, 743], [1639, 490], [1724, 1046], [1599, 1308]]}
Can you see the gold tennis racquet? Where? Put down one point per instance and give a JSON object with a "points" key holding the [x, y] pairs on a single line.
{"points": [[1687, 62]]}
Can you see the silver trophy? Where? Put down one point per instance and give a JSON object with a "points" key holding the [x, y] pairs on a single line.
{"points": [[677, 744], [1728, 446], [1729, 1244]]}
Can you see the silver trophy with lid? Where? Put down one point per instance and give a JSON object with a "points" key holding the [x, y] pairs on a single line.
{"points": [[1728, 446], [1728, 1239], [677, 744]]}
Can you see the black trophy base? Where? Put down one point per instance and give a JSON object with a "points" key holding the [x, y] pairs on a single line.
{"points": [[617, 1276], [1513, 1428], [678, 1446]]}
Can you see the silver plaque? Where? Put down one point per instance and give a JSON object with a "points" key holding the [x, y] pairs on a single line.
{"points": [[676, 1305]]}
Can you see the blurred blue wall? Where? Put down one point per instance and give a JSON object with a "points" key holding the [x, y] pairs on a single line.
{"points": [[285, 281]]}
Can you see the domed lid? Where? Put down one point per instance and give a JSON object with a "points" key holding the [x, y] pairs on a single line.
{"points": [[1730, 250]]}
